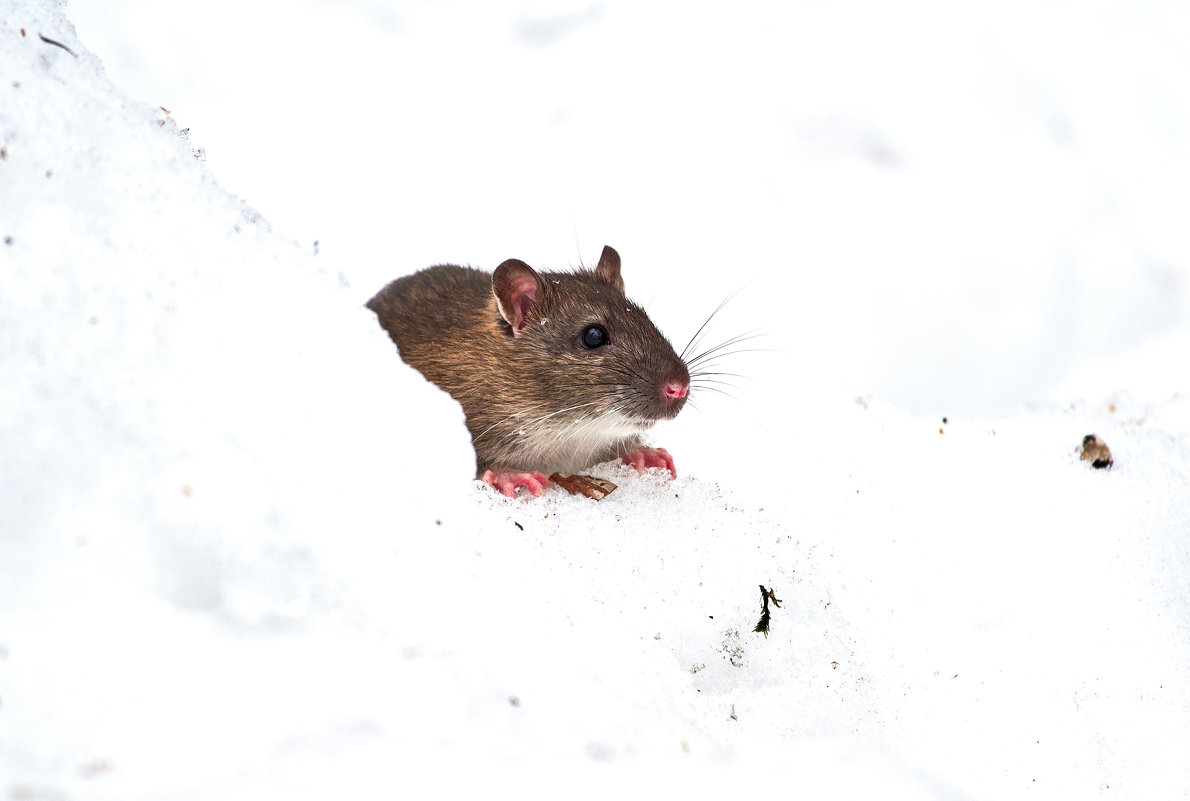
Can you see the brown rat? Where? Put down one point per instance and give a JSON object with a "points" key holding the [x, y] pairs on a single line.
{"points": [[555, 371]]}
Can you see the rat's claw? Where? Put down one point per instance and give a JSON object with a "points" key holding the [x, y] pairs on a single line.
{"points": [[644, 458], [507, 483]]}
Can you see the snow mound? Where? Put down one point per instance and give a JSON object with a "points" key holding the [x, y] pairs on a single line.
{"points": [[242, 554]]}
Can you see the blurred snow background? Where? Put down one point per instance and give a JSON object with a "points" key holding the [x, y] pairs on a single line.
{"points": [[957, 207], [241, 556]]}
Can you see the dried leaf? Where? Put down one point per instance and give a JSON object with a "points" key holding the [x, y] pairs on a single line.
{"points": [[594, 488]]}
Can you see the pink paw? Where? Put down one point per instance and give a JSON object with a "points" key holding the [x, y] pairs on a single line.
{"points": [[507, 483], [644, 458]]}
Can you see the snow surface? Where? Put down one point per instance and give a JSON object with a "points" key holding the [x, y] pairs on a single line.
{"points": [[241, 555]]}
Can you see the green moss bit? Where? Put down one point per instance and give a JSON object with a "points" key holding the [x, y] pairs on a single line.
{"points": [[765, 597]]}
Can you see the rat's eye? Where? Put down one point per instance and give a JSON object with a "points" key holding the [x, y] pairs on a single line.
{"points": [[594, 337]]}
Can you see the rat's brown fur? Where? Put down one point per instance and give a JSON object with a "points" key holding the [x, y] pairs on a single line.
{"points": [[509, 348]]}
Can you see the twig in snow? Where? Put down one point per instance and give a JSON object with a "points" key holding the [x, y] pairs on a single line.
{"points": [[48, 40]]}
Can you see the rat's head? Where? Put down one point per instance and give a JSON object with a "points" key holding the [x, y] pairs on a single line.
{"points": [[600, 351]]}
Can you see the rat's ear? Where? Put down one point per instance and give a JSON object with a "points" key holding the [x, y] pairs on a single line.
{"points": [[609, 268], [517, 288]]}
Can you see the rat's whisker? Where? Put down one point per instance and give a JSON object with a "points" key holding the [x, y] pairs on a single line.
{"points": [[506, 419], [702, 373], [518, 430], [707, 381], [694, 360], [706, 322]]}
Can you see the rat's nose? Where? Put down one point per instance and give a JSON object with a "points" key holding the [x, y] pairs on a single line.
{"points": [[676, 389]]}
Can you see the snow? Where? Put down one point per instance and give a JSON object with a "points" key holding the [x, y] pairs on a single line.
{"points": [[241, 551]]}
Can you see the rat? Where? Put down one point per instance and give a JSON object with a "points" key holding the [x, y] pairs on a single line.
{"points": [[555, 371]]}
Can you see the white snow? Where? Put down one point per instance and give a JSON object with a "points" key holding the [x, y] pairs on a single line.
{"points": [[241, 553]]}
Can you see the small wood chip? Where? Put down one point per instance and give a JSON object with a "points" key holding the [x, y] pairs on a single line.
{"points": [[1096, 452], [594, 488]]}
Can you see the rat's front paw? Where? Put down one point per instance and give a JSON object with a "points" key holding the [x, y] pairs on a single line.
{"points": [[507, 482], [643, 458]]}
